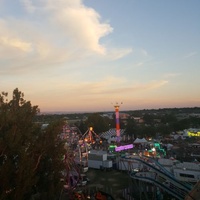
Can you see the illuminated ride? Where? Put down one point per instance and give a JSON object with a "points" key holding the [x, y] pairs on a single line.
{"points": [[115, 148], [71, 174], [73, 138], [160, 151], [75, 159], [116, 106], [81, 155], [70, 135], [91, 138], [156, 150]]}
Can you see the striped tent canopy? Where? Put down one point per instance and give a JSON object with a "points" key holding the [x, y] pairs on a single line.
{"points": [[110, 133]]}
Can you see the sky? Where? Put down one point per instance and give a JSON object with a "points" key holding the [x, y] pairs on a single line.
{"points": [[89, 55]]}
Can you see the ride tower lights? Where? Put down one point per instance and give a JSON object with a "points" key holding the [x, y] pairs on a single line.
{"points": [[116, 106], [90, 135]]}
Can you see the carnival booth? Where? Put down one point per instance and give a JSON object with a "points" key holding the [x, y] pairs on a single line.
{"points": [[140, 143]]}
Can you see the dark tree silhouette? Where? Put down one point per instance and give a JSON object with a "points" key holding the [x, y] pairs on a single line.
{"points": [[131, 128], [30, 158], [99, 123]]}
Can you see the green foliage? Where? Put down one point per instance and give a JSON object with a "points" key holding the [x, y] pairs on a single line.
{"points": [[148, 118], [99, 123], [82, 127], [131, 128], [29, 157], [168, 118]]}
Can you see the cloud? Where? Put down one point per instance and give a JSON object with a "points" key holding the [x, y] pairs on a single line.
{"points": [[82, 25], [21, 52], [61, 32], [74, 20], [66, 31], [139, 64], [112, 85], [15, 43], [171, 75], [28, 5], [115, 54], [139, 87], [70, 92], [191, 54], [144, 52]]}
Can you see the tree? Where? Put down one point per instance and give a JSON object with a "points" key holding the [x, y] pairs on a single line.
{"points": [[148, 119], [168, 118], [29, 156], [99, 123], [82, 126], [131, 128]]}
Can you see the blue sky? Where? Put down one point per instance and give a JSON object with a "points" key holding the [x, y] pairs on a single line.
{"points": [[87, 55]]}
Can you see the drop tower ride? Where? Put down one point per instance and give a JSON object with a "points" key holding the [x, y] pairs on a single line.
{"points": [[116, 106]]}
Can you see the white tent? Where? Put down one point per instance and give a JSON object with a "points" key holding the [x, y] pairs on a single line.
{"points": [[141, 141], [169, 146]]}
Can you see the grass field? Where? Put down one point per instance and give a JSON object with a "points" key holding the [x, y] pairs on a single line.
{"points": [[112, 182]]}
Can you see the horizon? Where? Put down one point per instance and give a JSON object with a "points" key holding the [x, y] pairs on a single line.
{"points": [[84, 55], [113, 111]]}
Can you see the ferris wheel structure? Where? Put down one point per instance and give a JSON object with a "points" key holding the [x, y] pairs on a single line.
{"points": [[75, 158]]}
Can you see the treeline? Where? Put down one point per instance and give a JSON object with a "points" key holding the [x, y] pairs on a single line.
{"points": [[47, 117], [155, 121], [31, 159]]}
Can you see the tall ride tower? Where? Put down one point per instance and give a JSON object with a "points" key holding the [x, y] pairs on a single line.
{"points": [[116, 106]]}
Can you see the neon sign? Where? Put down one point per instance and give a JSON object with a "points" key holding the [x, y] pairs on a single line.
{"points": [[197, 134], [121, 148]]}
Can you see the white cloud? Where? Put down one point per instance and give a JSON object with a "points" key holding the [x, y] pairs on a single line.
{"points": [[28, 5], [112, 85], [61, 31], [144, 52], [139, 64], [80, 23], [74, 20], [115, 54], [169, 75], [15, 43], [191, 54], [156, 84]]}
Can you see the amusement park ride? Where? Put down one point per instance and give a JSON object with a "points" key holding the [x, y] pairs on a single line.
{"points": [[76, 157], [91, 138], [150, 174], [116, 106], [77, 146]]}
